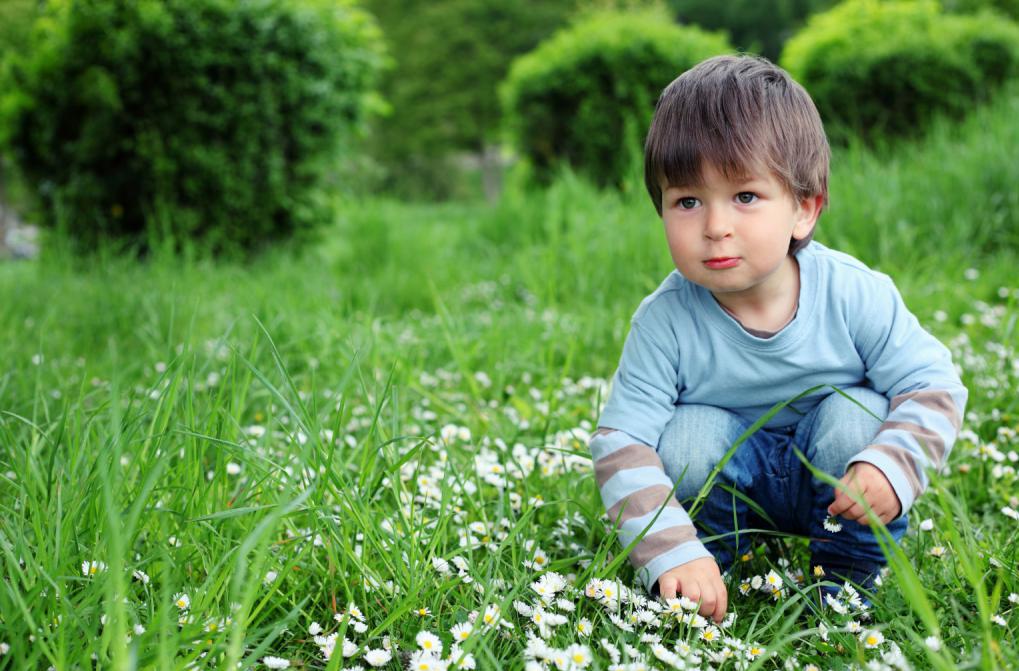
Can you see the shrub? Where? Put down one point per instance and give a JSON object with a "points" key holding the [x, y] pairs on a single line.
{"points": [[586, 95], [1009, 8], [16, 18], [449, 57], [882, 69], [752, 25], [211, 120]]}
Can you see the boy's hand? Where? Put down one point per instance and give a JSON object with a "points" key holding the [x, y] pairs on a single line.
{"points": [[698, 580], [870, 484]]}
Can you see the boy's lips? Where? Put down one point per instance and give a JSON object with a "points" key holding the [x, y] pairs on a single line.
{"points": [[720, 262]]}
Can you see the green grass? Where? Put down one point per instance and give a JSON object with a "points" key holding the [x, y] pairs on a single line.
{"points": [[133, 392]]}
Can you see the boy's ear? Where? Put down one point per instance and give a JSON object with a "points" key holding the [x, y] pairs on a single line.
{"points": [[807, 212]]}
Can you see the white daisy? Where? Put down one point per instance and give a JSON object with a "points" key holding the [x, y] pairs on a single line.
{"points": [[872, 639], [832, 525], [710, 634], [422, 660], [377, 657], [468, 661], [461, 631], [90, 568], [429, 642], [276, 662], [491, 615], [579, 656]]}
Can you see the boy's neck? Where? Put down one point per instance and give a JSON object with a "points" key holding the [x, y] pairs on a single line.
{"points": [[772, 306]]}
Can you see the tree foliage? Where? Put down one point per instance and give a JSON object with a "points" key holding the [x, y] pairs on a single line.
{"points": [[883, 69], [211, 120], [585, 97], [450, 56], [752, 25]]}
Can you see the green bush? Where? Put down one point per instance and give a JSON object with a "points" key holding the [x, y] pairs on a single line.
{"points": [[1009, 8], [213, 121], [16, 18], [882, 69], [586, 95], [752, 25]]}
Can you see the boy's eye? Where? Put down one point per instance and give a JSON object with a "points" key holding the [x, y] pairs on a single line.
{"points": [[746, 197], [687, 203]]}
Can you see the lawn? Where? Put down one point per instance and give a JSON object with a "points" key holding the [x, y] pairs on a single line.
{"points": [[377, 448]]}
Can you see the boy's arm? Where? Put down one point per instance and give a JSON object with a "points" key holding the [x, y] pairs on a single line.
{"points": [[630, 476], [633, 486], [927, 398]]}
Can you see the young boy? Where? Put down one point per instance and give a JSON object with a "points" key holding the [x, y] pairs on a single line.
{"points": [[736, 163]]}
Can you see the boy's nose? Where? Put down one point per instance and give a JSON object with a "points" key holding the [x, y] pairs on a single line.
{"points": [[717, 225]]}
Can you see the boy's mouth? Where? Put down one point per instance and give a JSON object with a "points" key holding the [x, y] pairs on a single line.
{"points": [[721, 262]]}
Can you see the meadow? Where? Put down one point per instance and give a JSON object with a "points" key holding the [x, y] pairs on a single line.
{"points": [[373, 453]]}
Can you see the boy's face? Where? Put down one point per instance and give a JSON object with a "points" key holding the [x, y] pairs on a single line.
{"points": [[733, 238]]}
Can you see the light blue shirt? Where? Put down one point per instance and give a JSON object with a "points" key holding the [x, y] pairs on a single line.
{"points": [[851, 328]]}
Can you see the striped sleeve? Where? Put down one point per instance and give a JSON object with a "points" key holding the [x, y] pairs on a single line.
{"points": [[918, 434], [634, 488], [927, 399]]}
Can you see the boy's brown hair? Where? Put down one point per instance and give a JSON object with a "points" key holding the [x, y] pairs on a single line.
{"points": [[740, 114]]}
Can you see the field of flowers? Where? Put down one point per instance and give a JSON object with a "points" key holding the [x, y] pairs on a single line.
{"points": [[374, 454]]}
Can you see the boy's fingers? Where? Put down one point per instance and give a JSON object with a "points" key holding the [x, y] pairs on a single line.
{"points": [[708, 600], [722, 604], [667, 587], [692, 591], [857, 513], [841, 503]]}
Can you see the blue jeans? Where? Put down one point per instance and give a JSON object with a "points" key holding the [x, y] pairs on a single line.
{"points": [[766, 469]]}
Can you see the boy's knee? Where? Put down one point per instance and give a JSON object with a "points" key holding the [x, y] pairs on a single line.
{"points": [[693, 442], [843, 428]]}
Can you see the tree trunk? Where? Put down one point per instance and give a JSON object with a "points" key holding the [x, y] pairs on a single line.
{"points": [[3, 213], [491, 171]]}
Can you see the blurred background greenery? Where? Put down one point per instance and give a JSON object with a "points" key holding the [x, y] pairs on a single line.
{"points": [[229, 125]]}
